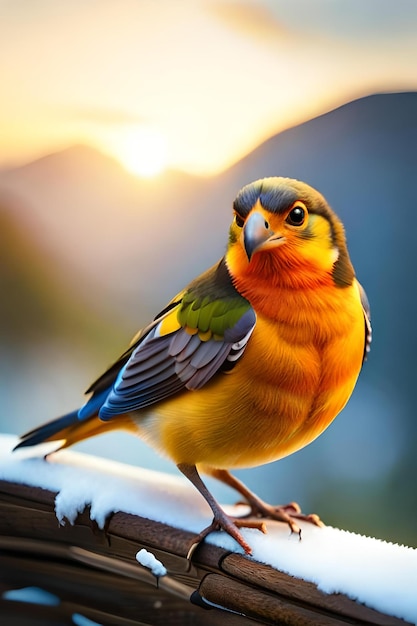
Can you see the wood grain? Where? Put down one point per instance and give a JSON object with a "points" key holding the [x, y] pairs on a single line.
{"points": [[94, 572]]}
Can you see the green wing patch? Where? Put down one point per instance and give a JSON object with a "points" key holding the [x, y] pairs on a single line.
{"points": [[211, 305], [203, 331], [211, 318]]}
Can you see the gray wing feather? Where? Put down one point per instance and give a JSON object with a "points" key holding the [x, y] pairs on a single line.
{"points": [[161, 366]]}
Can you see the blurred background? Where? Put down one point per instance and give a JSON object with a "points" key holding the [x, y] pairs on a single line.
{"points": [[127, 128]]}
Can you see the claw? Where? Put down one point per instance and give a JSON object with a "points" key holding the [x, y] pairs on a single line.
{"points": [[313, 518], [287, 513], [229, 525], [294, 528], [292, 508], [248, 523]]}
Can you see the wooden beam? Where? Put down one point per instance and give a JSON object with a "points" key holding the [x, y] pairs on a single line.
{"points": [[94, 572]]}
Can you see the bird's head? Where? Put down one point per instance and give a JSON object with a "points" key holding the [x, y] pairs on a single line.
{"points": [[285, 233]]}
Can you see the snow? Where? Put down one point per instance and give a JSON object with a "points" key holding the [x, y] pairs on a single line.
{"points": [[147, 559], [379, 574]]}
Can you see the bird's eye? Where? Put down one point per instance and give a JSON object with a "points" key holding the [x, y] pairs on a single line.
{"points": [[296, 216], [239, 220]]}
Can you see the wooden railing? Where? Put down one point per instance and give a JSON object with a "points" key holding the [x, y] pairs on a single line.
{"points": [[93, 573]]}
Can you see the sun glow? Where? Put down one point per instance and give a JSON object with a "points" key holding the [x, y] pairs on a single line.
{"points": [[143, 151]]}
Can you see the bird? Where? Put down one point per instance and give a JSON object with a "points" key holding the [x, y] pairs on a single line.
{"points": [[250, 362]]}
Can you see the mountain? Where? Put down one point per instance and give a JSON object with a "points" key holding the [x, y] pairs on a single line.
{"points": [[123, 246], [37, 304], [127, 240], [127, 245], [98, 222]]}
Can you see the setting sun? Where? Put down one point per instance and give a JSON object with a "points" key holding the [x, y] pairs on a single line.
{"points": [[143, 151]]}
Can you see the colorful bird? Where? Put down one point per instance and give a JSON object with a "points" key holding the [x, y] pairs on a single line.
{"points": [[251, 361]]}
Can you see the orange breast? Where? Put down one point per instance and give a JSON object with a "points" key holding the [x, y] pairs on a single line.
{"points": [[296, 374]]}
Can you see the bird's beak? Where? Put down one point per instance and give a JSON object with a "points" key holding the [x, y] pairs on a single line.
{"points": [[257, 233]]}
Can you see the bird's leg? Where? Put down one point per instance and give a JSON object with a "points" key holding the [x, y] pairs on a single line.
{"points": [[285, 513], [220, 519]]}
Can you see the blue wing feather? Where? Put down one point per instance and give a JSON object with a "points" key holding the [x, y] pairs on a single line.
{"points": [[165, 362]]}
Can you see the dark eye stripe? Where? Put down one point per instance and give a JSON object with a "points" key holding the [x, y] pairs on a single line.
{"points": [[239, 220]]}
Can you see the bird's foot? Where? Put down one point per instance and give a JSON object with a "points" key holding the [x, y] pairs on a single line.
{"points": [[288, 513], [230, 525]]}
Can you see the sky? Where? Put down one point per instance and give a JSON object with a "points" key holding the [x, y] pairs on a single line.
{"points": [[381, 575], [192, 85]]}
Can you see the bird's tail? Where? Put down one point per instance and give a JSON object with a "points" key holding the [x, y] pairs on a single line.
{"points": [[69, 429]]}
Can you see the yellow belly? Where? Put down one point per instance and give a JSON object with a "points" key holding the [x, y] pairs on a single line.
{"points": [[286, 389]]}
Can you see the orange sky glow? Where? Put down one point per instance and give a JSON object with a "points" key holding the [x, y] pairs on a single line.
{"points": [[204, 81]]}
